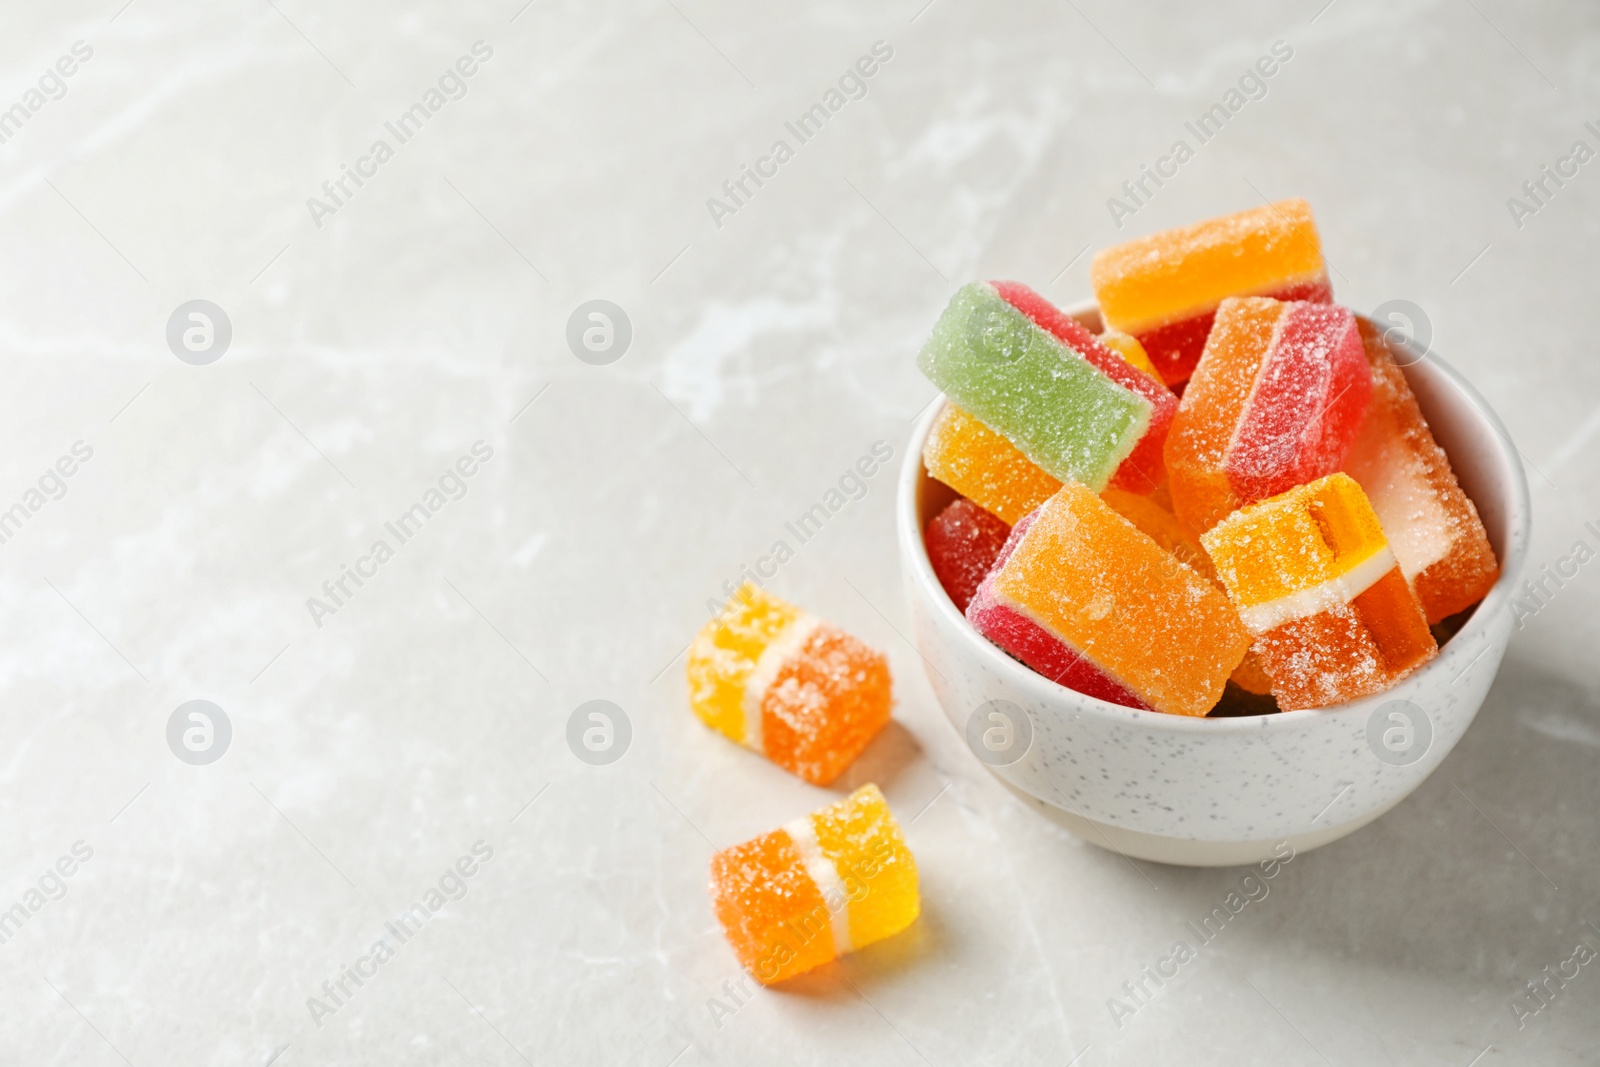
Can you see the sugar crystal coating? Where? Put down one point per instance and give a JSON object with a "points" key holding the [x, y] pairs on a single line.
{"points": [[1309, 398], [1302, 540], [1110, 597], [1251, 676], [1021, 636], [1274, 402], [876, 869], [963, 542], [830, 883], [1316, 584], [1160, 525], [983, 466], [1128, 347], [1142, 471], [771, 911], [1433, 527], [1165, 288], [725, 651], [802, 692], [825, 704], [1018, 379]]}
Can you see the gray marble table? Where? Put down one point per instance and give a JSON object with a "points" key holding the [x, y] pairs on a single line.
{"points": [[396, 210]]}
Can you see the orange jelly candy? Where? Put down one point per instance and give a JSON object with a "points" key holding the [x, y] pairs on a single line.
{"points": [[800, 691], [1432, 525], [1163, 527], [820, 887], [984, 467], [1165, 288], [1128, 347], [1317, 586], [1086, 599], [1274, 403]]}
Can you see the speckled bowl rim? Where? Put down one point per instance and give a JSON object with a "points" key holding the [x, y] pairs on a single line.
{"points": [[1518, 511]]}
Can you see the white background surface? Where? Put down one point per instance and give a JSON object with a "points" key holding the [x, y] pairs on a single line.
{"points": [[768, 355]]}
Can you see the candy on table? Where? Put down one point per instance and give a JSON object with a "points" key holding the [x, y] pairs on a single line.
{"points": [[827, 884], [1084, 598], [1432, 526], [1128, 347], [800, 691], [963, 542], [1317, 586], [1063, 412], [1275, 402], [984, 467], [1142, 471], [1164, 289]]}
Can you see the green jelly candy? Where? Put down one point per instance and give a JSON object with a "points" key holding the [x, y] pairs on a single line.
{"points": [[1020, 381]]}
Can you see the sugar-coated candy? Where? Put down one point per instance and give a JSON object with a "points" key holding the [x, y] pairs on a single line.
{"points": [[1165, 288], [784, 683], [1432, 526], [1084, 598], [1063, 412], [827, 884], [984, 467], [963, 542], [1142, 471], [1128, 347], [1251, 676], [1163, 527], [1275, 402], [1317, 586]]}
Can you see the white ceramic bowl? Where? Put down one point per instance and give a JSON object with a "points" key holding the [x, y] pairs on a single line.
{"points": [[1219, 792]]}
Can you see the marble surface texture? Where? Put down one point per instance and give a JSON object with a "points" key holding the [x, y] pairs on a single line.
{"points": [[378, 337]]}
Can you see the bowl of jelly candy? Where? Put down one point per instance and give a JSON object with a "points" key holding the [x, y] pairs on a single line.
{"points": [[1273, 647]]}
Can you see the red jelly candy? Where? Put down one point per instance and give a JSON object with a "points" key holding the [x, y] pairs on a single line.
{"points": [[963, 542]]}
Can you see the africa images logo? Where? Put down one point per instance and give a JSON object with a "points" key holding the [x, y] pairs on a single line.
{"points": [[451, 85], [852, 85], [452, 486], [451, 886]]}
